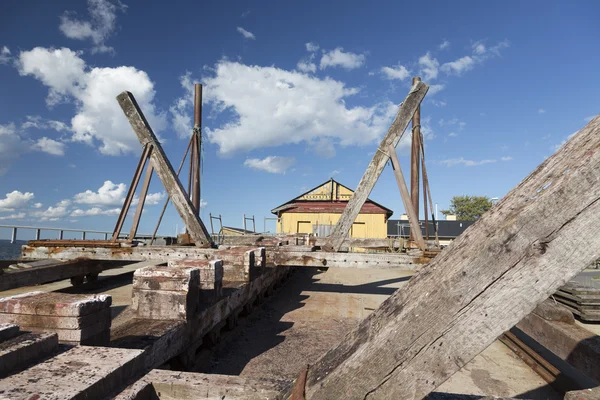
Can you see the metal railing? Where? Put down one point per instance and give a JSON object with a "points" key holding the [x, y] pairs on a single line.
{"points": [[61, 231]]}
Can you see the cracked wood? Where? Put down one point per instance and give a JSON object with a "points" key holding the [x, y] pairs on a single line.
{"points": [[538, 237]]}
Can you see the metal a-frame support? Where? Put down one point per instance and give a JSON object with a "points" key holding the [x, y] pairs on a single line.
{"points": [[159, 162]]}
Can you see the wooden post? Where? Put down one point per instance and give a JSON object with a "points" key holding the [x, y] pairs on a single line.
{"points": [[517, 254], [376, 166], [164, 170], [415, 158], [413, 220]]}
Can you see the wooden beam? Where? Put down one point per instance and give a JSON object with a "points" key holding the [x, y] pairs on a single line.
{"points": [[376, 166], [413, 219], [281, 259], [517, 254], [164, 170]]}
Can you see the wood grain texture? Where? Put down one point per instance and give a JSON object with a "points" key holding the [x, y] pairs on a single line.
{"points": [[538, 237], [164, 170], [376, 166]]}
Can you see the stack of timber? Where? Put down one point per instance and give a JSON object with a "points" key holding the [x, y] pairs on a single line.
{"points": [[76, 319], [581, 300]]}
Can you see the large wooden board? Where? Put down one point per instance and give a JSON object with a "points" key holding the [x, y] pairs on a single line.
{"points": [[376, 166], [520, 252]]}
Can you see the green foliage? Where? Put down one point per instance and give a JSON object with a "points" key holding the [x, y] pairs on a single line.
{"points": [[468, 208]]}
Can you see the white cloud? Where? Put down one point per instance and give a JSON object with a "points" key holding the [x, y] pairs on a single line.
{"points": [[588, 119], [103, 15], [51, 213], [324, 147], [433, 89], [271, 164], [5, 55], [398, 72], [467, 163], [453, 134], [37, 122], [37, 205], [429, 67], [444, 45], [507, 158], [98, 116], [155, 198], [311, 47], [181, 116], [64, 203], [94, 211], [49, 146], [245, 33], [109, 194], [272, 107], [479, 48], [14, 216], [541, 111], [340, 58], [438, 103], [334, 172], [15, 200], [306, 66], [459, 66]]}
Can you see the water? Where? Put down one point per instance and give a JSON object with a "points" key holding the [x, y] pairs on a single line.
{"points": [[10, 251]]}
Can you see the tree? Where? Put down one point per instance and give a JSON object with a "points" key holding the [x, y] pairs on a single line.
{"points": [[468, 208]]}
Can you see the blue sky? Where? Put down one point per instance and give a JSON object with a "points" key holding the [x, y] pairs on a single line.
{"points": [[295, 93]]}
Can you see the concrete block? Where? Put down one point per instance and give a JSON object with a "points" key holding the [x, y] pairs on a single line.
{"points": [[165, 305], [57, 304], [585, 394], [74, 335], [7, 331], [175, 278], [24, 350], [50, 321], [81, 373]]}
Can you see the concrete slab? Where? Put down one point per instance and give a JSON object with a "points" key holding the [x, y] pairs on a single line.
{"points": [[58, 304], [25, 349], [80, 373], [75, 335]]}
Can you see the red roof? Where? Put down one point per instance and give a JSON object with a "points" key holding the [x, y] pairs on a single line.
{"points": [[335, 207]]}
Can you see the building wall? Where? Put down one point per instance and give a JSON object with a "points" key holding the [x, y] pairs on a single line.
{"points": [[365, 226]]}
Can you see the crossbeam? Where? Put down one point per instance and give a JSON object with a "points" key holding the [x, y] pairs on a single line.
{"points": [[165, 170], [376, 166], [517, 254]]}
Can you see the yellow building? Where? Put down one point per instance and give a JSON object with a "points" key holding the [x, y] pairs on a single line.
{"points": [[318, 210]]}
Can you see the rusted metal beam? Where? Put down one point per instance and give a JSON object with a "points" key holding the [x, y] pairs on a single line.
{"points": [[196, 148], [413, 219], [415, 157], [141, 202], [376, 166], [165, 170]]}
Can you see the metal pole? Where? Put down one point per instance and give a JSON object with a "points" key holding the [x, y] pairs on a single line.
{"points": [[37, 234], [244, 223], [141, 202], [196, 147], [60, 235], [14, 235], [415, 157]]}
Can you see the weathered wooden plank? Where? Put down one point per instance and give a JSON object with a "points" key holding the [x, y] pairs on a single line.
{"points": [[377, 164], [164, 170], [284, 258], [538, 237], [386, 243], [413, 217]]}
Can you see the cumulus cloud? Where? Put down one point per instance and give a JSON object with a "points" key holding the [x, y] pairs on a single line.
{"points": [[37, 122], [480, 53], [340, 58], [429, 67], [271, 164], [399, 72], [102, 24], [5, 55], [109, 194], [444, 45], [246, 34], [155, 198], [433, 89], [467, 163], [94, 211], [273, 107], [181, 109], [15, 200], [99, 119], [311, 47], [51, 213], [50, 146], [459, 66], [20, 215], [306, 66]]}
